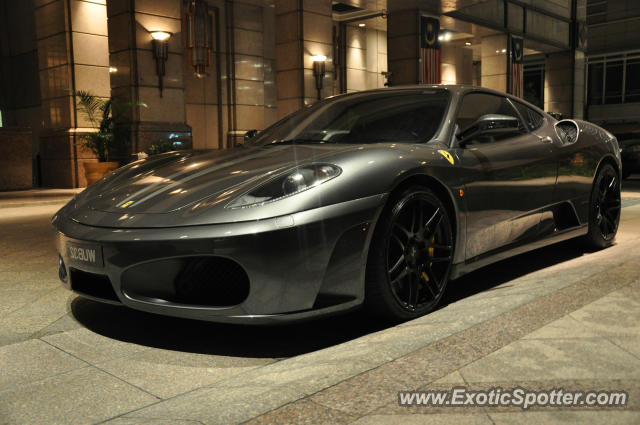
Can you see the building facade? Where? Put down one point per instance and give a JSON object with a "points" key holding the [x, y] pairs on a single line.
{"points": [[222, 67], [613, 66]]}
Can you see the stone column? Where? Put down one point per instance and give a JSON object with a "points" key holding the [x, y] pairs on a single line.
{"points": [[403, 35], [493, 66], [72, 55], [558, 84], [131, 57], [303, 29]]}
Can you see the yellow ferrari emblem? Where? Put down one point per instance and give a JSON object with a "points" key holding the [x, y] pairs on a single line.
{"points": [[447, 156]]}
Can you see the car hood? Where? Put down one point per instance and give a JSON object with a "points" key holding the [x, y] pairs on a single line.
{"points": [[195, 188], [177, 181]]}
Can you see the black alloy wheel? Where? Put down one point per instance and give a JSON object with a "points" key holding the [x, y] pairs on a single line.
{"points": [[410, 256], [604, 208]]}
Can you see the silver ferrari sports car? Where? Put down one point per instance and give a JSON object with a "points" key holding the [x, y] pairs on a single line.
{"points": [[375, 198]]}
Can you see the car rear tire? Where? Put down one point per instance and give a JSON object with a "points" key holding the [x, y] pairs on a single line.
{"points": [[410, 256], [604, 208]]}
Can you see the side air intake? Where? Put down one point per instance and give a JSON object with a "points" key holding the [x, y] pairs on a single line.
{"points": [[568, 131]]}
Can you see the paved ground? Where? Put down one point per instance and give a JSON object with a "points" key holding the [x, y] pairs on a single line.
{"points": [[556, 317]]}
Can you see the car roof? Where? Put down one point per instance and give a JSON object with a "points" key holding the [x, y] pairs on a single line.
{"points": [[454, 88]]}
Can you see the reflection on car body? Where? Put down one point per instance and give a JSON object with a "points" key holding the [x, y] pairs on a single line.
{"points": [[374, 198]]}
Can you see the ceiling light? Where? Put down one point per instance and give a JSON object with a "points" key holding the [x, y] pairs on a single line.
{"points": [[467, 43], [362, 25]]}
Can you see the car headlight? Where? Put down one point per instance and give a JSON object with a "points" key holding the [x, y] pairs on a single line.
{"points": [[285, 185]]}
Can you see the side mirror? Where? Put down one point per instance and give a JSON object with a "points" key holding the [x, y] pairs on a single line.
{"points": [[250, 135], [489, 125]]}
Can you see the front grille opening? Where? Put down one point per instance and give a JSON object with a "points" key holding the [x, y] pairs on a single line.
{"points": [[92, 284], [213, 281]]}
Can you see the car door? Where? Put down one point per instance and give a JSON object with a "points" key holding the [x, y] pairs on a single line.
{"points": [[509, 179]]}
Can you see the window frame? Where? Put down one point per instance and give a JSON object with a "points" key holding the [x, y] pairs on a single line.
{"points": [[524, 105], [461, 96], [623, 56]]}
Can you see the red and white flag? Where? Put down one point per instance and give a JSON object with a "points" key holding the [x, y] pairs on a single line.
{"points": [[517, 54], [430, 49]]}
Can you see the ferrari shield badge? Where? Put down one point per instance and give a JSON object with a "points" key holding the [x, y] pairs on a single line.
{"points": [[447, 156]]}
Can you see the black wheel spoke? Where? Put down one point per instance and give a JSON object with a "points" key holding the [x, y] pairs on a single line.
{"points": [[428, 282], [415, 290], [432, 224], [608, 216], [605, 225], [400, 276], [432, 277], [395, 267], [402, 229], [398, 241]]}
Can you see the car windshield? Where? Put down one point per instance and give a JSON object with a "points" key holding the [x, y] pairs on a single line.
{"points": [[403, 116]]}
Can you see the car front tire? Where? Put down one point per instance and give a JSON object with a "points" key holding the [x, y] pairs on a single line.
{"points": [[410, 256]]}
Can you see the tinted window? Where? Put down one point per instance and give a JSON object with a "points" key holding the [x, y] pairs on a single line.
{"points": [[632, 91], [532, 119], [595, 84], [475, 105], [407, 116], [613, 83]]}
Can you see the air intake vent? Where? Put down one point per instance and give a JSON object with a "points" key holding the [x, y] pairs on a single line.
{"points": [[93, 284], [567, 131], [214, 281]]}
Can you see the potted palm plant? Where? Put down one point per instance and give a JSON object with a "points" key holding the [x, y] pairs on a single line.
{"points": [[109, 139]]}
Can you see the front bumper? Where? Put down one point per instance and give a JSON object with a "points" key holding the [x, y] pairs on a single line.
{"points": [[299, 266]]}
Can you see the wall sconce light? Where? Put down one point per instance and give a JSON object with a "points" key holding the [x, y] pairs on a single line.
{"points": [[319, 69], [160, 53]]}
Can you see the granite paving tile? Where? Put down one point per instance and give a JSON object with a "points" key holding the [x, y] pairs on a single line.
{"points": [[554, 359], [31, 360], [166, 373], [360, 394], [425, 419], [221, 404], [566, 418], [305, 412], [82, 396], [92, 347]]}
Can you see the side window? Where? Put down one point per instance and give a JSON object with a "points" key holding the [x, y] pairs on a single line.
{"points": [[532, 119], [475, 105]]}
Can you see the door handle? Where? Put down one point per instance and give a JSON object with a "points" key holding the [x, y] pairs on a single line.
{"points": [[546, 139]]}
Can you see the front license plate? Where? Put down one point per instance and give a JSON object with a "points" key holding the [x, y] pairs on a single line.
{"points": [[85, 254]]}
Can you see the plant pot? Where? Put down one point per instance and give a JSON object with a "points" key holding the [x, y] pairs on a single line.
{"points": [[94, 171]]}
